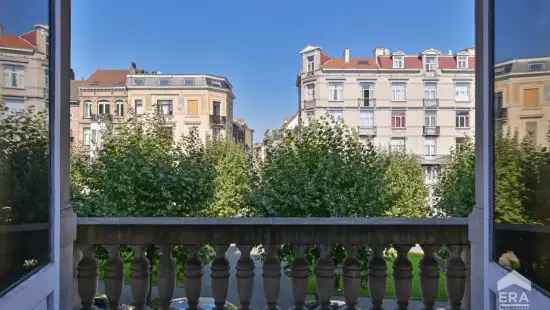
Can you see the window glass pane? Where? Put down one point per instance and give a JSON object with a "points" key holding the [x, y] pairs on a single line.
{"points": [[24, 139], [522, 153]]}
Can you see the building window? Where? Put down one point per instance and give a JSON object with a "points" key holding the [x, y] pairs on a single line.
{"points": [[189, 82], [168, 132], [536, 66], [398, 62], [459, 143], [120, 108], [87, 109], [103, 107], [165, 107], [138, 106], [337, 115], [397, 145], [216, 133], [462, 119], [430, 63], [398, 119], [430, 118], [429, 147], [531, 97], [367, 119], [193, 107], [462, 92], [216, 108], [367, 94], [531, 131], [462, 62], [164, 82], [430, 91], [310, 64], [310, 115], [86, 136], [336, 91], [14, 76], [15, 104], [432, 172], [398, 91], [310, 91]]}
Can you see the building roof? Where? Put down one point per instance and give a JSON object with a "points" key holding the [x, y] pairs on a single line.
{"points": [[354, 63], [31, 37], [14, 41], [107, 78]]}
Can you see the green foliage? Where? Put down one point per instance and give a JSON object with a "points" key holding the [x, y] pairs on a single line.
{"points": [[456, 189], [405, 191], [24, 166], [323, 170]]}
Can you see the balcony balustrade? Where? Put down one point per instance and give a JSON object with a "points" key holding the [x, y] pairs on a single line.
{"points": [[430, 131], [309, 103], [217, 120], [430, 102], [366, 102], [377, 234], [367, 131]]}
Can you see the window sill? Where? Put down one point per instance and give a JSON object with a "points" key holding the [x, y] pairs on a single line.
{"points": [[399, 128], [403, 100], [462, 128], [463, 100]]}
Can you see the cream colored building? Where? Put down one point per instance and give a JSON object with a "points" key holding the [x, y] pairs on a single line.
{"points": [[24, 69], [522, 98], [189, 102], [419, 103]]}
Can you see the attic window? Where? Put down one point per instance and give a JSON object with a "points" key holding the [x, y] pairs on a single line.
{"points": [[536, 66], [462, 62], [310, 63], [398, 62], [364, 62]]}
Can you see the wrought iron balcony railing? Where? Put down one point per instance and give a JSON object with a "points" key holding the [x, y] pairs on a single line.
{"points": [[217, 120], [430, 102], [376, 234], [430, 131], [366, 102], [369, 131]]}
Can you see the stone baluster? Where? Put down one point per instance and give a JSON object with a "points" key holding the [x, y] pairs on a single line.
{"points": [[299, 275], [193, 278], [456, 278], [166, 276], [325, 275], [429, 277], [87, 277], [352, 277], [245, 277], [271, 276], [402, 276], [220, 277], [466, 259], [377, 277], [140, 277], [113, 276]]}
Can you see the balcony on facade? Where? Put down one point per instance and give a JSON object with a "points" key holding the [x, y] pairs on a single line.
{"points": [[309, 103], [430, 131], [270, 234], [367, 131], [366, 102], [217, 120], [430, 102]]}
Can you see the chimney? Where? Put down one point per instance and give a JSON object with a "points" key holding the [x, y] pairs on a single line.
{"points": [[380, 51], [450, 53], [346, 55]]}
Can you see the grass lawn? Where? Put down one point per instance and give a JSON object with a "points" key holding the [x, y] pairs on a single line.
{"points": [[390, 291]]}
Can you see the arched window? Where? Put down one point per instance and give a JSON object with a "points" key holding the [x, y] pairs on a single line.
{"points": [[120, 108], [87, 109], [103, 107]]}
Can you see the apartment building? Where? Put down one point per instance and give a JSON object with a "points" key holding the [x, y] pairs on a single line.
{"points": [[187, 102], [24, 69], [420, 103], [522, 98], [242, 134]]}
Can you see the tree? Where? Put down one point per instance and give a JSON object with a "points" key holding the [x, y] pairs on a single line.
{"points": [[321, 170], [405, 191]]}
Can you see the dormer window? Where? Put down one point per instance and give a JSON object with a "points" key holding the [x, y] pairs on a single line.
{"points": [[462, 62], [536, 66], [310, 63], [430, 63], [398, 62]]}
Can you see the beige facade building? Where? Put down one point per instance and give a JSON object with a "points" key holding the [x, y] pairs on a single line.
{"points": [[24, 69], [421, 103], [187, 102], [522, 98]]}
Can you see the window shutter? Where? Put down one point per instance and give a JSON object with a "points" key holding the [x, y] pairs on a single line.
{"points": [[193, 107], [531, 97]]}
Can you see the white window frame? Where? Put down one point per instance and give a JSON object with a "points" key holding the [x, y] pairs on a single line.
{"points": [[430, 66], [336, 114], [101, 107], [532, 64], [141, 110], [87, 136], [119, 108], [399, 91], [402, 115], [366, 119], [310, 91], [336, 91], [163, 103], [398, 145], [430, 118], [88, 111], [430, 147], [14, 76], [462, 62], [430, 90], [398, 62], [462, 119], [462, 91], [15, 105], [310, 63]]}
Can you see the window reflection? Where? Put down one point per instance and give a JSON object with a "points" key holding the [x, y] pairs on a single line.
{"points": [[24, 139], [522, 138]]}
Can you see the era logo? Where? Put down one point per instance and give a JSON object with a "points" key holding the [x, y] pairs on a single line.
{"points": [[513, 292]]}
